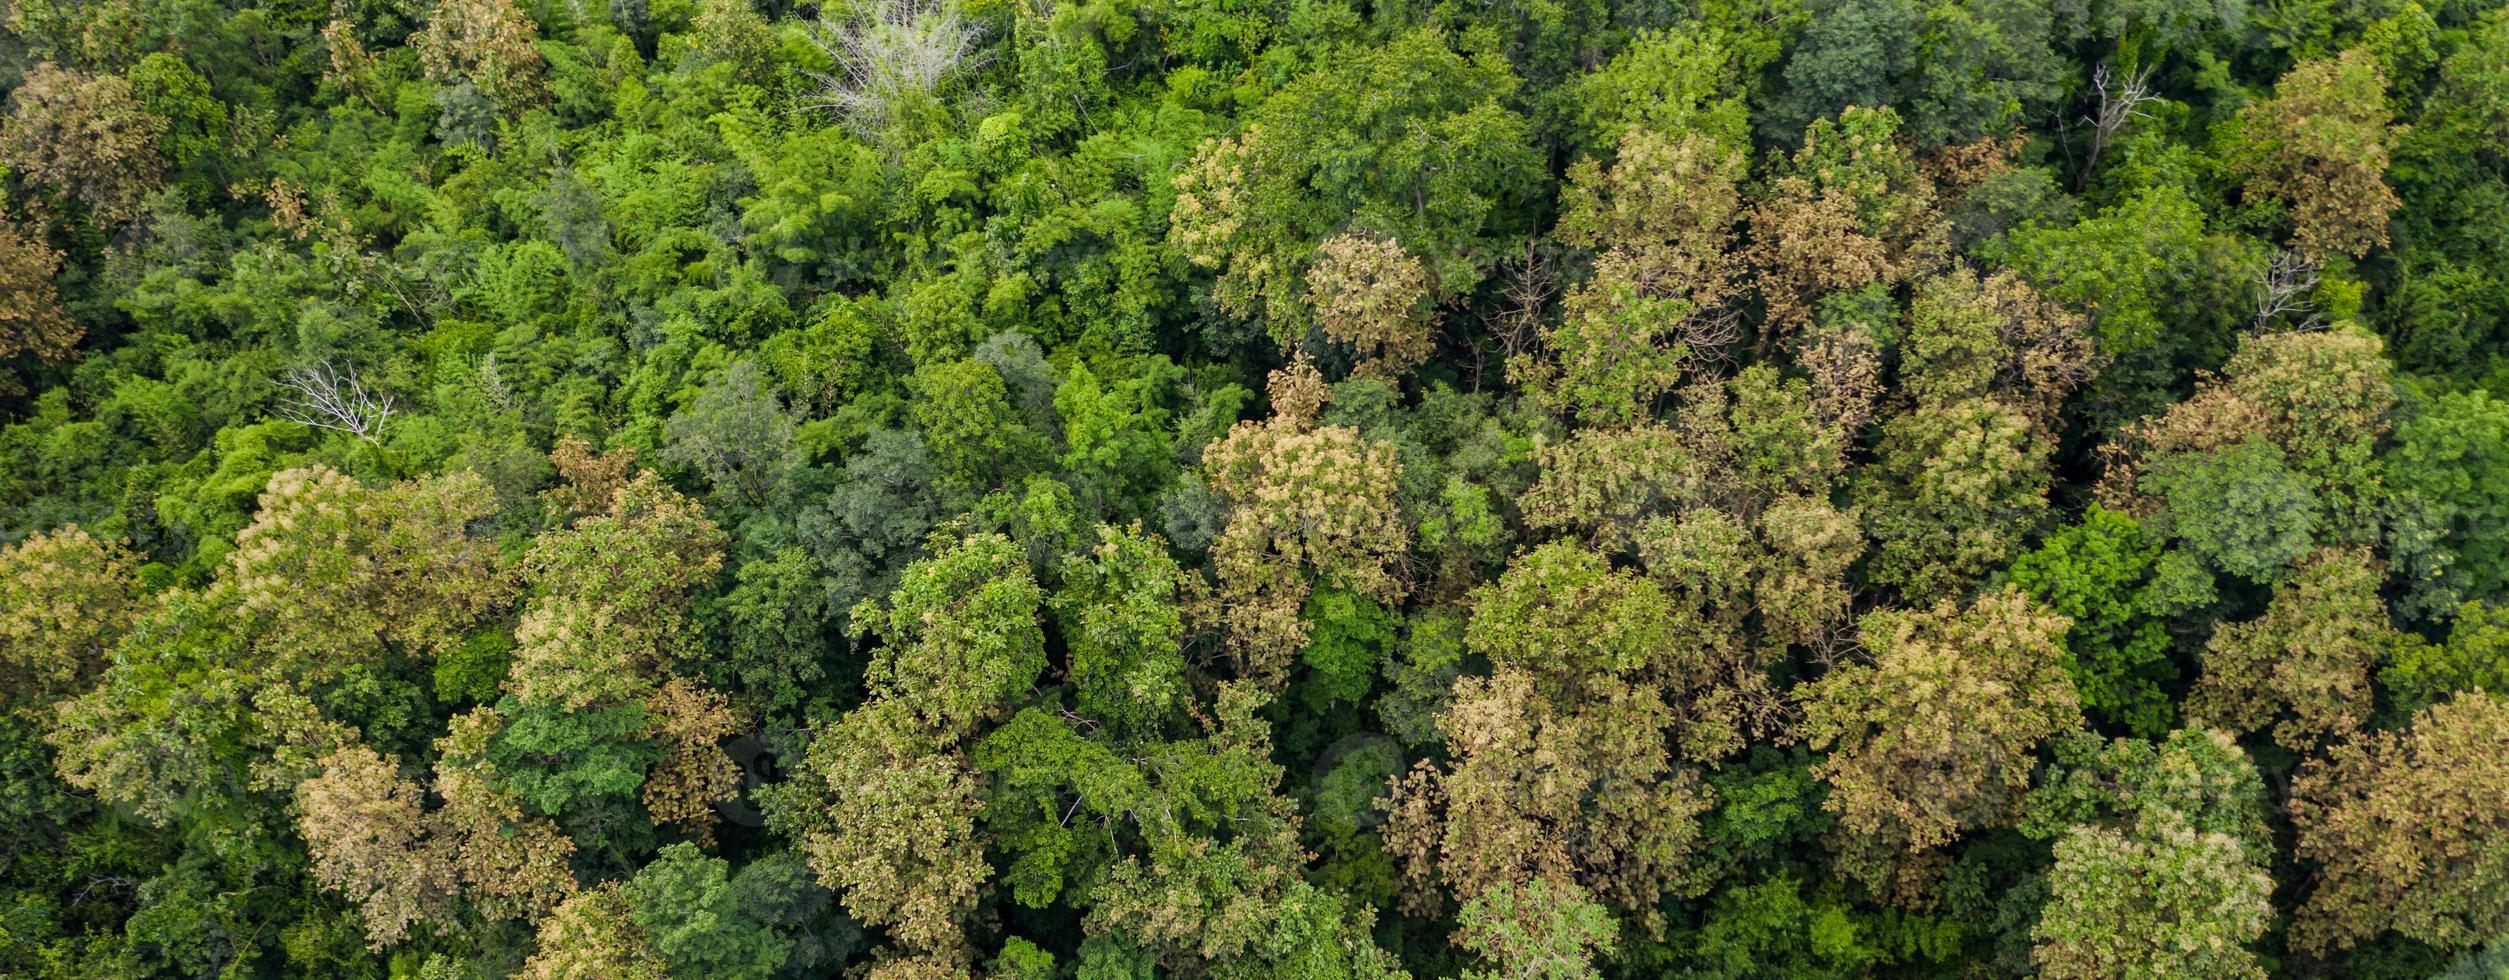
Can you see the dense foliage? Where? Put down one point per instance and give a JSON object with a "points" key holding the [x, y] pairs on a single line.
{"points": [[1123, 489]]}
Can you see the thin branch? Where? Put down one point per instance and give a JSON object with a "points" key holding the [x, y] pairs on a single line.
{"points": [[2285, 289], [2121, 101], [328, 398], [891, 50]]}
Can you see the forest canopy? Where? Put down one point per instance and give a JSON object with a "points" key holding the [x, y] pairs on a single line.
{"points": [[1096, 489]]}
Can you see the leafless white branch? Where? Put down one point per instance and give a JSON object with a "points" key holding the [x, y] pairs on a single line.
{"points": [[889, 50], [2284, 289], [2121, 101], [330, 398]]}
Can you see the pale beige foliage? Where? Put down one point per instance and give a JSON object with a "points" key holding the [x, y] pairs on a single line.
{"points": [[511, 865], [1373, 296], [591, 936], [1662, 221], [372, 841], [1564, 767], [691, 721], [588, 481], [2321, 145], [333, 573], [1308, 504], [66, 596], [1994, 337], [899, 841], [31, 319], [491, 44]]}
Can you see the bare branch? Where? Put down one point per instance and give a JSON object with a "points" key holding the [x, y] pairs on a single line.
{"points": [[1710, 334], [1526, 289], [2285, 288], [2121, 101], [890, 50], [328, 398]]}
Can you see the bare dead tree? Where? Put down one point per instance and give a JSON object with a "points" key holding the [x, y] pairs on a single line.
{"points": [[2121, 102], [1710, 334], [889, 51], [1525, 292], [2284, 289], [329, 398]]}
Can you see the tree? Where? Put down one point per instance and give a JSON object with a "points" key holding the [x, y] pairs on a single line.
{"points": [[511, 864], [331, 573], [2320, 146], [85, 136], [591, 935], [31, 318], [1982, 68], [1972, 338], [2239, 508], [2475, 658], [487, 44], [2324, 399], [324, 397], [1563, 768], [775, 636], [371, 840], [1120, 451], [2120, 268], [1931, 737], [1128, 823], [2110, 576], [961, 636], [1407, 140], [1847, 210], [1537, 931], [309, 634], [978, 437], [1952, 492], [1603, 484], [2162, 854], [2163, 901], [1739, 447], [1661, 220], [738, 435], [888, 58], [704, 918], [598, 715], [588, 481], [66, 598], [640, 562], [872, 518], [690, 723], [1308, 505], [1371, 295], [2303, 667], [1687, 77], [1956, 71], [1846, 59], [2453, 457], [1119, 615], [2405, 834], [2196, 777], [885, 803]]}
